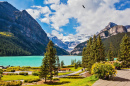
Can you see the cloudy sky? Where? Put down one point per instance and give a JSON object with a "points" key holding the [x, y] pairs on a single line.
{"points": [[68, 17]]}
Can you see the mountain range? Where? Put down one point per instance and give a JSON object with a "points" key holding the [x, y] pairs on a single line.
{"points": [[110, 32], [69, 42], [20, 34], [27, 37]]}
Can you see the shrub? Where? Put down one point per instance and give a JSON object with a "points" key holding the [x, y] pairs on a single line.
{"points": [[23, 73], [74, 77], [35, 67], [75, 66], [35, 73], [103, 70], [12, 74], [65, 69], [12, 83], [117, 65], [31, 80]]}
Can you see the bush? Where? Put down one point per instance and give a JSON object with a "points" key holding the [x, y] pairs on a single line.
{"points": [[65, 69], [23, 73], [12, 74], [31, 80], [74, 77], [12, 83], [117, 65], [103, 70], [35, 67], [35, 73]]}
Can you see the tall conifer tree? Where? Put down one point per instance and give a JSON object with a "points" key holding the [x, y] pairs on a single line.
{"points": [[100, 53], [51, 59], [110, 55], [44, 71], [125, 51]]}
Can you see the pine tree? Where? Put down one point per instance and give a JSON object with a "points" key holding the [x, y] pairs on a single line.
{"points": [[86, 53], [50, 53], [100, 51], [110, 55], [93, 53], [62, 64], [83, 57], [125, 51], [57, 65], [44, 71]]}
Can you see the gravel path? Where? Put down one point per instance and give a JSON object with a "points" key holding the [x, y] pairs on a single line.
{"points": [[122, 79], [29, 72], [69, 74]]}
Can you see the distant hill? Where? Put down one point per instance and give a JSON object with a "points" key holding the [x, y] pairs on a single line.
{"points": [[27, 36], [110, 32]]}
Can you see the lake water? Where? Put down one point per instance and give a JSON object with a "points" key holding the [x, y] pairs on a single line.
{"points": [[33, 61]]}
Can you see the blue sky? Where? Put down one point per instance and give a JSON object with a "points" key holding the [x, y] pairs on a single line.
{"points": [[68, 18]]}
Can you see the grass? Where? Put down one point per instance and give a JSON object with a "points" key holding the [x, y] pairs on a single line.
{"points": [[73, 82], [59, 74], [73, 69], [17, 77]]}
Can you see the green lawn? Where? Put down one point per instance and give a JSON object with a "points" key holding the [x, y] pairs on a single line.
{"points": [[64, 73], [72, 82], [17, 77], [73, 69]]}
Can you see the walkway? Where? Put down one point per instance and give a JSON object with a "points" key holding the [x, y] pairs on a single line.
{"points": [[122, 79], [69, 74], [29, 72]]}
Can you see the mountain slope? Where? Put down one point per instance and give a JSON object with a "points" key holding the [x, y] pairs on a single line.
{"points": [[108, 32], [115, 39], [28, 36]]}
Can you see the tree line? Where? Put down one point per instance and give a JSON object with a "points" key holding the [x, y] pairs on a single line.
{"points": [[95, 52]]}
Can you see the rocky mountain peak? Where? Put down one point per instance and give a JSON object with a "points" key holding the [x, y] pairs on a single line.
{"points": [[111, 24], [112, 29]]}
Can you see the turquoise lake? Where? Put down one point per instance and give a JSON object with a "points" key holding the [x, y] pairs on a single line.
{"points": [[33, 61]]}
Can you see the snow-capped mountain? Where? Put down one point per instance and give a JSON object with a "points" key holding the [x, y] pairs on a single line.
{"points": [[68, 42]]}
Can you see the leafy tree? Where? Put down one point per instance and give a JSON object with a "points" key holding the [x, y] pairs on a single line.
{"points": [[62, 64], [44, 71], [124, 55]]}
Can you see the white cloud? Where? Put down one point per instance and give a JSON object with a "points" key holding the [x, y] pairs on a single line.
{"points": [[93, 18], [52, 1], [56, 33], [36, 11]]}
